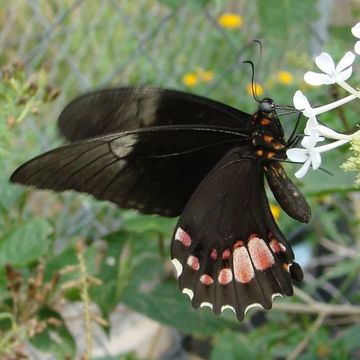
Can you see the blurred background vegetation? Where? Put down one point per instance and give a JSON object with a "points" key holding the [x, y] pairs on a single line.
{"points": [[81, 277]]}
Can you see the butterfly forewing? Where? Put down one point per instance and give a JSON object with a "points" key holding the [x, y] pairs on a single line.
{"points": [[153, 170], [227, 248], [106, 111]]}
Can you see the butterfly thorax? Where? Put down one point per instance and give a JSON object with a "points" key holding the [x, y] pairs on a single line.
{"points": [[267, 135]]}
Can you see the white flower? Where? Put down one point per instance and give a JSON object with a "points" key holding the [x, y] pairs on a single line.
{"points": [[308, 156], [331, 73], [356, 32], [302, 104]]}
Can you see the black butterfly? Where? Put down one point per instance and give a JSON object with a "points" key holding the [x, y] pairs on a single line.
{"points": [[171, 153]]}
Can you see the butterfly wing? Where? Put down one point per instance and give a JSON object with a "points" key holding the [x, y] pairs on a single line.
{"points": [[154, 170], [287, 193], [227, 248], [106, 111]]}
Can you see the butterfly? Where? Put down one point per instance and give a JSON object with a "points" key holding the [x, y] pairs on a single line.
{"points": [[172, 153]]}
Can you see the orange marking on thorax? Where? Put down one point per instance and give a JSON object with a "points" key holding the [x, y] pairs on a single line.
{"points": [[268, 138], [264, 121], [278, 146]]}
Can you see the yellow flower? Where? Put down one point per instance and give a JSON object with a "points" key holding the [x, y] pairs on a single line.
{"points": [[275, 210], [206, 75], [285, 77], [259, 90], [230, 21], [190, 79]]}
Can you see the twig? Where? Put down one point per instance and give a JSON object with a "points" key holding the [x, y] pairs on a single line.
{"points": [[338, 249], [343, 320], [307, 338], [303, 295], [317, 308]]}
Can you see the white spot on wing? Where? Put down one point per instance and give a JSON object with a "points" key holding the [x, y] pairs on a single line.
{"points": [[123, 145], [252, 306], [206, 304], [188, 292], [275, 295], [178, 266], [224, 307]]}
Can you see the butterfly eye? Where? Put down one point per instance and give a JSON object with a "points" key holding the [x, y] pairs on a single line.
{"points": [[267, 105]]}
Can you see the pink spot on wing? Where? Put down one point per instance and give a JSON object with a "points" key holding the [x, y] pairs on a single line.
{"points": [[225, 276], [213, 254], [243, 268], [182, 236], [226, 254], [277, 247], [206, 279], [260, 254], [193, 262], [239, 243]]}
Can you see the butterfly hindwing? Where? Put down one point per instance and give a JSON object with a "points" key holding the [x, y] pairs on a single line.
{"points": [[153, 170], [123, 109], [227, 248]]}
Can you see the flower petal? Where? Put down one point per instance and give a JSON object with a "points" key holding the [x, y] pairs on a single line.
{"points": [[344, 75], [297, 155], [314, 78], [356, 30], [325, 63], [330, 133], [357, 47], [345, 62], [315, 160], [300, 101], [303, 170]]}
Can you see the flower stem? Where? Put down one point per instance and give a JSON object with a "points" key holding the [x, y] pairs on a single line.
{"points": [[331, 146], [334, 104], [349, 88]]}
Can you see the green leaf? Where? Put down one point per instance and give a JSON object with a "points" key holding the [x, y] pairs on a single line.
{"points": [[25, 243], [232, 346], [350, 338], [166, 304], [9, 193], [138, 223], [137, 261]]}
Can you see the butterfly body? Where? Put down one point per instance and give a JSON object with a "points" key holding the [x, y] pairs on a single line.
{"points": [[170, 153]]}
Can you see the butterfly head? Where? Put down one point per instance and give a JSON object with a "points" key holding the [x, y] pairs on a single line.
{"points": [[267, 106]]}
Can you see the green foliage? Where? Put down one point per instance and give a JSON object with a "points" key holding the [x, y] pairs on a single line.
{"points": [[282, 21], [25, 243]]}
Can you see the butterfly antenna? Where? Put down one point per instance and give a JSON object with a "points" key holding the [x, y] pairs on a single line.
{"points": [[253, 87], [260, 50]]}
